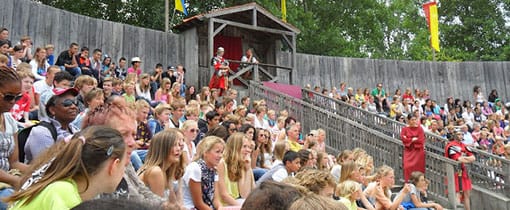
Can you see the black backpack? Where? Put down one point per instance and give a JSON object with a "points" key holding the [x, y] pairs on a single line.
{"points": [[25, 132]]}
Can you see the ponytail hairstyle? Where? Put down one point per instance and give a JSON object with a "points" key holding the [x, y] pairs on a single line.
{"points": [[82, 156], [162, 145], [233, 157], [415, 177], [279, 150]]}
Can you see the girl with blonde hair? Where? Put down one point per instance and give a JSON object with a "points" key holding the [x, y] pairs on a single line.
{"points": [[380, 189], [164, 165], [235, 173], [205, 94], [200, 179], [349, 191], [163, 94], [190, 131], [279, 151]]}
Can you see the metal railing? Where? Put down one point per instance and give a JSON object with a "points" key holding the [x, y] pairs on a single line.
{"points": [[489, 171], [343, 133]]}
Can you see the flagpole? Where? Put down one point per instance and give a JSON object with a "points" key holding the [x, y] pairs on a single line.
{"points": [[167, 11]]}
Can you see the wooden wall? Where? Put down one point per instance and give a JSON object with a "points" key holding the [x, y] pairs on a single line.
{"points": [[48, 25], [443, 79]]}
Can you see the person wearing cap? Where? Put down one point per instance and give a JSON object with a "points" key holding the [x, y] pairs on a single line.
{"points": [[219, 79], [135, 66], [61, 80], [458, 151], [62, 109], [170, 74]]}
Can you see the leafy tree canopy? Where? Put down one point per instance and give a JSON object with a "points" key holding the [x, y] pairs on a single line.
{"points": [[385, 29]]}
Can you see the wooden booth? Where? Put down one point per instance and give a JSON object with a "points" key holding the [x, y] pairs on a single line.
{"points": [[237, 29]]}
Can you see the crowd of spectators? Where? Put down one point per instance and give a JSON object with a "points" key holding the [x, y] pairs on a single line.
{"points": [[99, 131], [483, 120]]}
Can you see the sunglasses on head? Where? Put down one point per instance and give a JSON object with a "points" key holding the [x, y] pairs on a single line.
{"points": [[10, 97], [69, 102]]}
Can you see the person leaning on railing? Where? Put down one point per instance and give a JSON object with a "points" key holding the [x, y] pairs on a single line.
{"points": [[456, 150]]}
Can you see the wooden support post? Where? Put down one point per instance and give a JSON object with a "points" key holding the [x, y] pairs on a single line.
{"points": [[211, 44], [451, 176], [256, 77], [292, 72]]}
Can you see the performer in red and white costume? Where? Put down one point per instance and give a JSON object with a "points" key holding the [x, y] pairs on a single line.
{"points": [[456, 150]]}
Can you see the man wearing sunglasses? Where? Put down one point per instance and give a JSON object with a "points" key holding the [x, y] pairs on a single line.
{"points": [[62, 110]]}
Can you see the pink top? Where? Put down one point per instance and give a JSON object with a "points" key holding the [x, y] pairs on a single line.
{"points": [[131, 70]]}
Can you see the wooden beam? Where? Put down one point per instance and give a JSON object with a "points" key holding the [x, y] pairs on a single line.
{"points": [[257, 28], [288, 41], [211, 44], [293, 58], [275, 19], [275, 79], [231, 10], [218, 30], [266, 72], [240, 72], [254, 17]]}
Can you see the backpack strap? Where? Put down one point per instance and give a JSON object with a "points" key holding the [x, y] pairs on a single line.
{"points": [[51, 128]]}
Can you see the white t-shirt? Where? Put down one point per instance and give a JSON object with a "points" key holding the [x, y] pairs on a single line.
{"points": [[41, 86], [280, 175], [193, 172], [261, 124], [336, 171]]}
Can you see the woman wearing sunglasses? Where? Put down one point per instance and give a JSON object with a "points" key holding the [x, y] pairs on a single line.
{"points": [[190, 131], [62, 109], [10, 91]]}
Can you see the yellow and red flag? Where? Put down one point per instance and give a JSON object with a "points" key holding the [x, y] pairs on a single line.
{"points": [[430, 10], [284, 10]]}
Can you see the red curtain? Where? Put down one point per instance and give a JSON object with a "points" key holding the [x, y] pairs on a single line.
{"points": [[233, 50]]}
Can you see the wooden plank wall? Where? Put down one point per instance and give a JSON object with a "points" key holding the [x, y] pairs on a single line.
{"points": [[47, 25], [443, 79]]}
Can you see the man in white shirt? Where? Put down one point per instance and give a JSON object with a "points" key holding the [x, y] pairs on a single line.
{"points": [[46, 84], [291, 164]]}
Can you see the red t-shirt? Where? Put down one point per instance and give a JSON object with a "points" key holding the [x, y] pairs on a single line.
{"points": [[21, 106]]}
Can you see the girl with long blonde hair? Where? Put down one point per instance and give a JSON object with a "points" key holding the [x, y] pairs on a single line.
{"points": [[164, 165], [235, 173]]}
